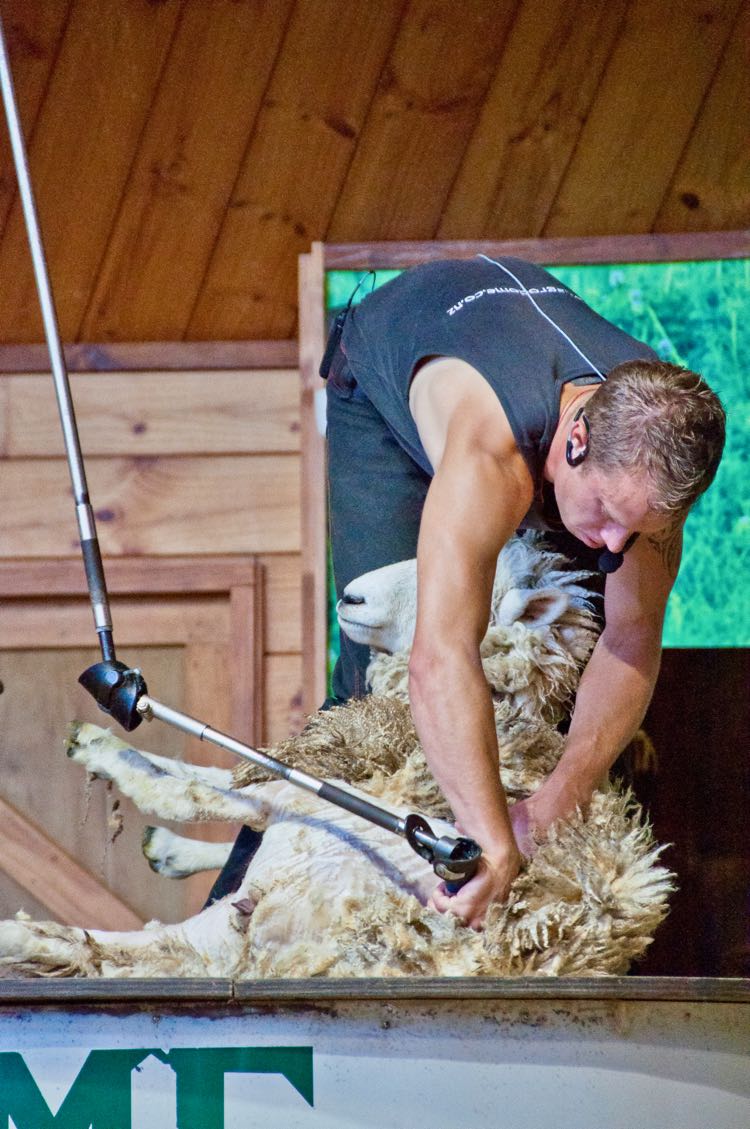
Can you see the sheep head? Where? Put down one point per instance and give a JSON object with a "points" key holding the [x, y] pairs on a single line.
{"points": [[540, 613]]}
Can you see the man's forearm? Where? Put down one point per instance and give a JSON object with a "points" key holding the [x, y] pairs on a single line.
{"points": [[452, 709], [612, 699]]}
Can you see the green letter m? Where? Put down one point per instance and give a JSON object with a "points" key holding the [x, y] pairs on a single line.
{"points": [[99, 1097]]}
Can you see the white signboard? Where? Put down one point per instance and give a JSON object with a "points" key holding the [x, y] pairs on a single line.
{"points": [[339, 1065]]}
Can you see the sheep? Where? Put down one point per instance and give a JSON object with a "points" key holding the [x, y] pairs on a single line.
{"points": [[328, 894]]}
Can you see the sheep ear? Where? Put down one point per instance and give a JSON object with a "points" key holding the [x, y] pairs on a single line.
{"points": [[533, 606]]}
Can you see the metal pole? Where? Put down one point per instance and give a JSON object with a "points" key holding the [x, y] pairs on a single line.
{"points": [[85, 515]]}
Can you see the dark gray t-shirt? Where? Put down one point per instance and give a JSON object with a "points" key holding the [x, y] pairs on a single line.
{"points": [[474, 310]]}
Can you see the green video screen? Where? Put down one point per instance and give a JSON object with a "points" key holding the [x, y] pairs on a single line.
{"points": [[695, 314]]}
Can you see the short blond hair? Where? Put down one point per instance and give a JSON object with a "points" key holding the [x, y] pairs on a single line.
{"points": [[659, 419]]}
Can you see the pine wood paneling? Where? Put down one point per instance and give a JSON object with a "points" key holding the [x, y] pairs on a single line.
{"points": [[161, 356], [155, 505], [183, 153], [711, 187], [532, 118], [88, 130], [41, 696], [284, 711], [429, 97], [33, 33], [70, 894], [313, 113], [185, 167], [282, 610], [155, 414], [645, 107]]}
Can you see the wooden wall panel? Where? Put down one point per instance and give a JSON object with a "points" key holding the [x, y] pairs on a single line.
{"points": [[282, 612], [184, 493], [421, 119], [314, 110], [154, 505], [107, 70], [711, 187], [284, 709], [154, 413], [41, 696], [187, 159], [532, 119], [652, 89]]}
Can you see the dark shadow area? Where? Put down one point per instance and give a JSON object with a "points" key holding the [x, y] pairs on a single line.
{"points": [[698, 796]]}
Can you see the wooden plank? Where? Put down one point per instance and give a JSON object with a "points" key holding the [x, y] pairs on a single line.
{"points": [[684, 989], [172, 994], [421, 119], [185, 167], [156, 413], [531, 119], [86, 136], [71, 894], [205, 696], [711, 186], [282, 607], [564, 249], [220, 504], [305, 135], [13, 897], [284, 713], [134, 356], [42, 695], [33, 34], [642, 117], [41, 993], [314, 492], [170, 621], [129, 575], [246, 662]]}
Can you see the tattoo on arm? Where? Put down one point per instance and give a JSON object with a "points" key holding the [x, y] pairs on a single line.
{"points": [[668, 544]]}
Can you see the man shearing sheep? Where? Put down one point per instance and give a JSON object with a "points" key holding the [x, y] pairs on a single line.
{"points": [[468, 399]]}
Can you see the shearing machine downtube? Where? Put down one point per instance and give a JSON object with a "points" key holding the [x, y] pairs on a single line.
{"points": [[121, 691]]}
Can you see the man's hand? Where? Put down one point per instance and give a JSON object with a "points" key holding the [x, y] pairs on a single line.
{"points": [[491, 883], [525, 827]]}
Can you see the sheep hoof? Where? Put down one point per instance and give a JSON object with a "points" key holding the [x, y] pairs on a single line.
{"points": [[157, 845]]}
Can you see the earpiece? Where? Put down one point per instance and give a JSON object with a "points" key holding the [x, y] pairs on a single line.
{"points": [[570, 458]]}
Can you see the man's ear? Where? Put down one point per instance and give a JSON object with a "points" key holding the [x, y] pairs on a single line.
{"points": [[536, 607], [577, 444]]}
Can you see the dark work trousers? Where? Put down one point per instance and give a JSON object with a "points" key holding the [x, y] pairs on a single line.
{"points": [[375, 497], [376, 493]]}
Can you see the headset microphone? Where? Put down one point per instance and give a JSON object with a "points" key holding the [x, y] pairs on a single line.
{"points": [[610, 562]]}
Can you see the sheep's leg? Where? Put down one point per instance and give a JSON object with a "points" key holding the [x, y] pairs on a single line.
{"points": [[168, 789], [176, 856], [211, 943]]}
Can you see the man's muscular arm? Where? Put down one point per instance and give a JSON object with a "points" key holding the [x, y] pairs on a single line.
{"points": [[617, 685], [480, 493]]}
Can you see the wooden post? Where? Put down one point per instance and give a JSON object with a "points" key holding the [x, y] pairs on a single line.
{"points": [[314, 507]]}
